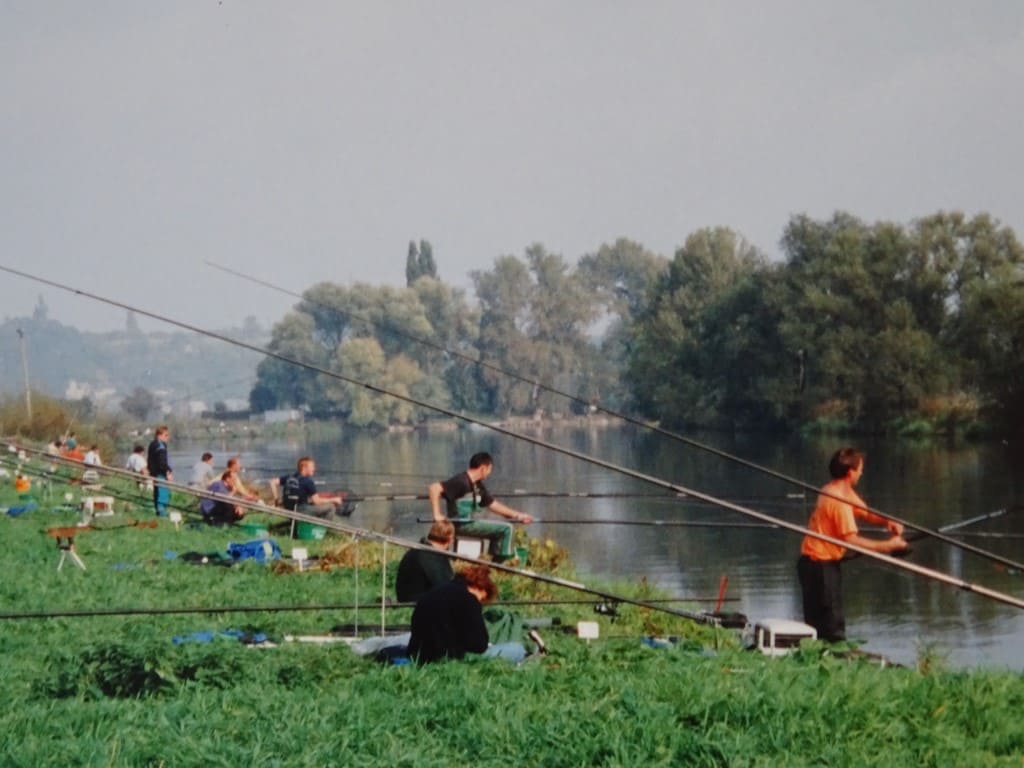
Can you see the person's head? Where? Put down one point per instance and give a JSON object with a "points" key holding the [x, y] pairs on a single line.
{"points": [[306, 466], [207, 457], [442, 532], [846, 461], [235, 464], [139, 449], [162, 432], [478, 581], [482, 464], [228, 478]]}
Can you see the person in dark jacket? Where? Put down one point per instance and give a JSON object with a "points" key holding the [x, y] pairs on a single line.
{"points": [[448, 621], [420, 570], [160, 470]]}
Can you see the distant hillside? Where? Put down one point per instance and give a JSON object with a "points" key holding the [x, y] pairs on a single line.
{"points": [[179, 367]]}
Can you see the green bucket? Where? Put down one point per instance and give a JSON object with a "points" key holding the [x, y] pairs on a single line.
{"points": [[309, 532], [255, 530]]}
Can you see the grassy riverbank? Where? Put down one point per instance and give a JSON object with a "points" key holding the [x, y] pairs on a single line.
{"points": [[118, 690]]}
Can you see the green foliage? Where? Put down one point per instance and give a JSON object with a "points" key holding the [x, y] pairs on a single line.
{"points": [[534, 318], [882, 319], [50, 417], [419, 263]]}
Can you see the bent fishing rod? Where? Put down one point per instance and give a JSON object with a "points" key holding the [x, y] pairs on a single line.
{"points": [[593, 460], [657, 429]]}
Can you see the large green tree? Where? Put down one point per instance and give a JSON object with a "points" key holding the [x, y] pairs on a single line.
{"points": [[372, 334], [534, 319], [668, 365], [619, 279]]}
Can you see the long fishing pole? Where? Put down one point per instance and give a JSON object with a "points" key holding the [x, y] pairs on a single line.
{"points": [[122, 495], [611, 466], [96, 612], [645, 523], [952, 528], [923, 530]]}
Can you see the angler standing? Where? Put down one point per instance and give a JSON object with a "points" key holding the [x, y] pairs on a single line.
{"points": [[160, 470], [835, 515]]}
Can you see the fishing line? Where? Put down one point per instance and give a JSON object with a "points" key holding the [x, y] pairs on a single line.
{"points": [[615, 414], [655, 481]]}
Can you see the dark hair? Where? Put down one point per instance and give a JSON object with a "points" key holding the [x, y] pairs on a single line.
{"points": [[138, 448], [844, 461], [207, 456], [479, 577], [480, 460]]}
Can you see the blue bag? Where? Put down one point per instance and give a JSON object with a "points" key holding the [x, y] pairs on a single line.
{"points": [[260, 550]]}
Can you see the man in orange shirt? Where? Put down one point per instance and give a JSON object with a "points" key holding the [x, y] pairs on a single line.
{"points": [[835, 515]]}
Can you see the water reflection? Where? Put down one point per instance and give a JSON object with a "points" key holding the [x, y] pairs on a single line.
{"points": [[933, 484]]}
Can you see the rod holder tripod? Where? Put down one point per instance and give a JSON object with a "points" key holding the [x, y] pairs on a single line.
{"points": [[65, 538]]}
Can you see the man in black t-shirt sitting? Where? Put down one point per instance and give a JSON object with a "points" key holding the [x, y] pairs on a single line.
{"points": [[470, 483]]}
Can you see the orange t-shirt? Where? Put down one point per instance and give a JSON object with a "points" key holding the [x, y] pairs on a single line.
{"points": [[833, 518], [22, 485]]}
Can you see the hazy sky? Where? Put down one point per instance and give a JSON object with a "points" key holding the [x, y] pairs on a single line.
{"points": [[308, 141]]}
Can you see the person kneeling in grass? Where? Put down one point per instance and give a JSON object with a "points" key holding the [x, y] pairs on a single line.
{"points": [[448, 621], [217, 511]]}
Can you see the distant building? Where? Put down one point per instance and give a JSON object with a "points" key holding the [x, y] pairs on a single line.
{"points": [[282, 416]]}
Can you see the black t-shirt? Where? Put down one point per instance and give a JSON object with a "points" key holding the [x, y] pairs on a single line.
{"points": [[454, 488]]}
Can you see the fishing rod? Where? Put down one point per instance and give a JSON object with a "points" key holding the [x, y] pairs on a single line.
{"points": [[123, 495], [141, 497], [611, 466], [950, 529], [623, 417], [182, 610], [645, 523], [524, 495]]}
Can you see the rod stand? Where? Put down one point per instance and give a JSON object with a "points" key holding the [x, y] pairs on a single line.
{"points": [[66, 545]]}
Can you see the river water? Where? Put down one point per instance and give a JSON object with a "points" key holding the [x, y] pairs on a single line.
{"points": [[899, 614]]}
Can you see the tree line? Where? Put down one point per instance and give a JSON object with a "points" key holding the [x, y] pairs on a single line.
{"points": [[859, 326]]}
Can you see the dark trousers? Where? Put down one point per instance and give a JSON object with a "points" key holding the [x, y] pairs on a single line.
{"points": [[822, 584]]}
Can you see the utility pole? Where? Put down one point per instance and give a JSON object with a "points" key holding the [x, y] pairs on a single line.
{"points": [[24, 367]]}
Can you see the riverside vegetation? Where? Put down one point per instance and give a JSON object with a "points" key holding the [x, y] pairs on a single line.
{"points": [[117, 690]]}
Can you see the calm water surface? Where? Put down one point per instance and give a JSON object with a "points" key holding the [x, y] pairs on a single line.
{"points": [[898, 613]]}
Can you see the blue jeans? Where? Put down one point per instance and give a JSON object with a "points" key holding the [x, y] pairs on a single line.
{"points": [[512, 652], [161, 495]]}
